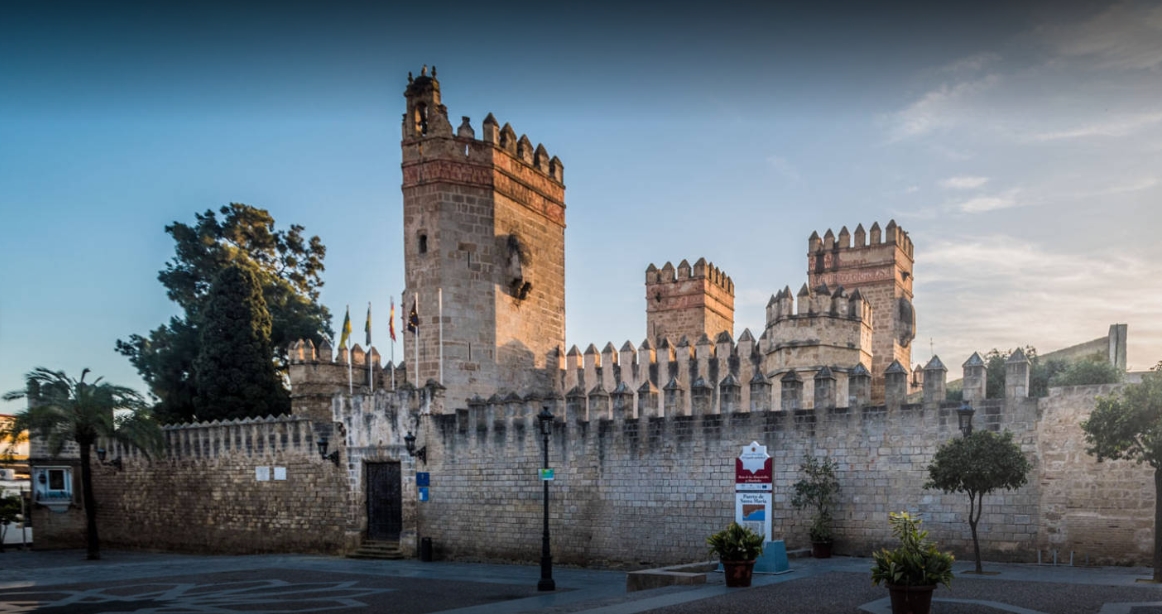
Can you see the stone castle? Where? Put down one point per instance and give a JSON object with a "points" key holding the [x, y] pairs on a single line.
{"points": [[645, 435], [484, 226]]}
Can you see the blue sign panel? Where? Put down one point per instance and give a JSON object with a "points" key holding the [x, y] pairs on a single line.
{"points": [[423, 479], [423, 493]]}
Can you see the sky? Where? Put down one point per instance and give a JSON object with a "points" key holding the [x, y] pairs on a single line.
{"points": [[1018, 143]]}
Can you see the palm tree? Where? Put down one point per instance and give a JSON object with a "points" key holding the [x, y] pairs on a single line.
{"points": [[62, 410]]}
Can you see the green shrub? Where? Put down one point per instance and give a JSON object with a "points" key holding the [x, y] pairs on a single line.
{"points": [[916, 562]]}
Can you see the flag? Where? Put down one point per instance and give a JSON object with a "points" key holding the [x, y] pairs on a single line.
{"points": [[367, 327], [346, 328], [391, 320], [414, 320]]}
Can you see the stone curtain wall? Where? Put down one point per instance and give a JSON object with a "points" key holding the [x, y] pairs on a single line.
{"points": [[630, 491], [648, 491], [203, 496], [1101, 510]]}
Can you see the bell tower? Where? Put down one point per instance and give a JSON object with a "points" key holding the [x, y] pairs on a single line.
{"points": [[484, 227]]}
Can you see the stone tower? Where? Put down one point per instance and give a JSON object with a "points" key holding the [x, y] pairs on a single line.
{"points": [[879, 265], [688, 302], [484, 221]]}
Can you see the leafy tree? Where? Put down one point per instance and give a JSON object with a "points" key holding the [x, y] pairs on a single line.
{"points": [[817, 489], [9, 513], [236, 377], [1090, 371], [289, 268], [977, 465], [1128, 424], [62, 410]]}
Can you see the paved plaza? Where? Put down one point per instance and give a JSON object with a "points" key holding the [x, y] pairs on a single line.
{"points": [[63, 582]]}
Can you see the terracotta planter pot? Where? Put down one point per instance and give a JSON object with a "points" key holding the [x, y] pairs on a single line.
{"points": [[738, 573], [821, 550], [911, 599]]}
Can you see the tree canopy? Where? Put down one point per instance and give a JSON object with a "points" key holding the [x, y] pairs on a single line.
{"points": [[1052, 372], [236, 376], [977, 465], [289, 270]]}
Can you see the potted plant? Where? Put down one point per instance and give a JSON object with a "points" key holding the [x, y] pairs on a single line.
{"points": [[736, 547], [911, 571], [817, 490]]}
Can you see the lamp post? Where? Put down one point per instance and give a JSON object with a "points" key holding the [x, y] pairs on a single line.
{"points": [[964, 418], [545, 418]]}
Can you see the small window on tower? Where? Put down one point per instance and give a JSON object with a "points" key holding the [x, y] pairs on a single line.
{"points": [[421, 119], [423, 244]]}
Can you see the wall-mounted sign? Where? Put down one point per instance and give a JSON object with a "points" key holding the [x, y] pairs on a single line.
{"points": [[423, 478], [546, 475], [753, 511], [754, 469], [280, 473], [423, 493], [262, 474]]}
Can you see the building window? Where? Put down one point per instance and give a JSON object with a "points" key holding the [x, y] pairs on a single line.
{"points": [[423, 244], [53, 487]]}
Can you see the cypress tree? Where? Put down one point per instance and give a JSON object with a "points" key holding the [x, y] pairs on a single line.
{"points": [[236, 375]]}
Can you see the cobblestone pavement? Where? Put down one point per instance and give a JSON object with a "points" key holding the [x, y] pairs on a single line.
{"points": [[63, 582]]}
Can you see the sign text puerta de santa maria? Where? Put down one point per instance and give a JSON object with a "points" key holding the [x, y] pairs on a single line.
{"points": [[753, 477]]}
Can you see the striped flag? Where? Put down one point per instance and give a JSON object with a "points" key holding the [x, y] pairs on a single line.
{"points": [[367, 327], [391, 321], [346, 328]]}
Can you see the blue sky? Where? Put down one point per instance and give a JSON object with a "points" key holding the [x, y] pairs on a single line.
{"points": [[1020, 145]]}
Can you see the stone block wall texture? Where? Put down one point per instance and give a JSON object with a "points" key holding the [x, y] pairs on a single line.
{"points": [[644, 491], [1105, 510]]}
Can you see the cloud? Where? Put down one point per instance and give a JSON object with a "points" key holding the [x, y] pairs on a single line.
{"points": [[784, 167], [912, 189], [1001, 291], [972, 63], [1122, 125], [1125, 36], [963, 182], [939, 108], [981, 204]]}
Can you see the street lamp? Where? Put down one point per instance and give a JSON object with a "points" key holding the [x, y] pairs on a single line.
{"points": [[545, 419], [964, 418], [115, 463], [409, 441], [333, 457]]}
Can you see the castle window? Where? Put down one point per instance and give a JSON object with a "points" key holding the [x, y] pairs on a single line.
{"points": [[423, 244], [421, 119]]}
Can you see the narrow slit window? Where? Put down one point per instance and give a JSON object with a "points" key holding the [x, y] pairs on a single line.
{"points": [[423, 244]]}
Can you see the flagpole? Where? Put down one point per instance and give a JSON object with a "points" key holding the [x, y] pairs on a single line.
{"points": [[350, 372], [440, 310], [370, 368], [417, 339], [391, 330]]}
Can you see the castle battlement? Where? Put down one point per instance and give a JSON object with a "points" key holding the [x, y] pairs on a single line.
{"points": [[892, 234], [820, 302], [701, 270]]}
